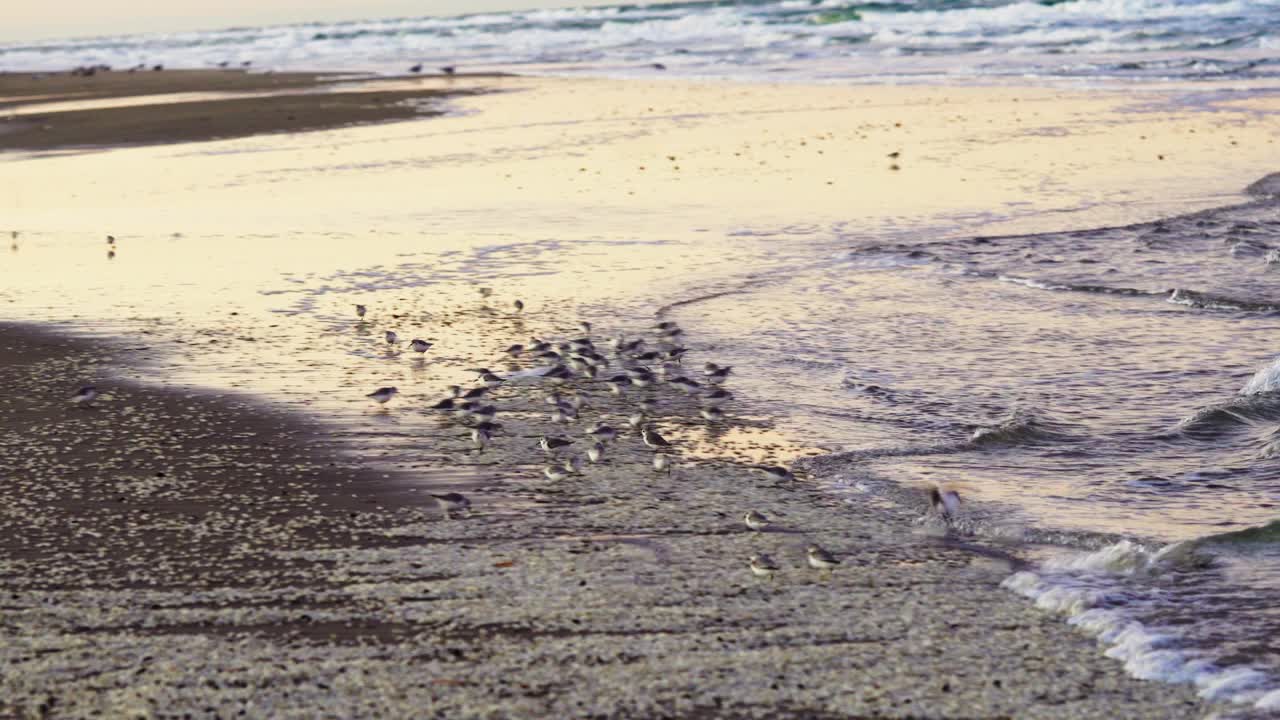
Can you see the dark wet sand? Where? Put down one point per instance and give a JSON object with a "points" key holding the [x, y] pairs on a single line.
{"points": [[289, 102], [174, 552]]}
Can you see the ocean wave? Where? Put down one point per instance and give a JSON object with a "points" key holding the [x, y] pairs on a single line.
{"points": [[815, 39]]}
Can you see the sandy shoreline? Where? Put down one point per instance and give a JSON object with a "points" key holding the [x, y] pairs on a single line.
{"points": [[618, 593]]}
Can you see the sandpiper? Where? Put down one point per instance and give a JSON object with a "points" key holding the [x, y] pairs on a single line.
{"points": [[84, 396], [617, 383], [719, 376], [515, 350], [391, 337], [662, 463], [383, 394], [755, 521], [479, 438], [111, 239], [420, 346], [445, 404], [555, 473], [572, 465], [491, 380], [652, 438], [686, 384], [485, 413], [550, 444], [558, 375], [776, 472], [595, 452], [518, 305], [763, 566], [718, 397], [360, 311], [712, 414], [820, 559], [603, 432], [472, 394], [451, 501], [944, 502]]}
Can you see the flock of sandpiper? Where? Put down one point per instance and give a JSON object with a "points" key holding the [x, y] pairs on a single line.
{"points": [[580, 359]]}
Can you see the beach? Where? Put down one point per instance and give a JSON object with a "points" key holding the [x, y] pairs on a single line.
{"points": [[236, 527]]}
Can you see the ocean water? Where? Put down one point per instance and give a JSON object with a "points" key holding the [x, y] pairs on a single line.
{"points": [[776, 40]]}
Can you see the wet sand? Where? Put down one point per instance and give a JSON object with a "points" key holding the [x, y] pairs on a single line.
{"points": [[230, 104], [618, 593], [176, 552]]}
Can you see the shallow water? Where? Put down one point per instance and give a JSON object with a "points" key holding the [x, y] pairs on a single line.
{"points": [[1106, 390]]}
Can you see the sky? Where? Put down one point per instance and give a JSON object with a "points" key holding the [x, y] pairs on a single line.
{"points": [[32, 19]]}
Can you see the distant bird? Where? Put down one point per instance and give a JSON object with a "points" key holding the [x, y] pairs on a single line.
{"points": [[603, 432], [84, 396], [662, 463], [111, 239], [472, 394], [820, 559], [776, 472], [452, 501], [491, 380], [763, 566], [652, 438], [712, 414], [585, 327], [595, 452], [550, 444], [718, 397], [755, 521], [383, 394], [360, 311], [894, 155], [944, 502], [420, 346], [518, 305], [515, 350], [449, 69], [479, 438], [572, 465], [391, 337], [555, 473], [445, 404], [658, 66], [719, 376], [416, 68], [558, 374]]}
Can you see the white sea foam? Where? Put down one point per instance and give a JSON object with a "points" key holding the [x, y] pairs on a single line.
{"points": [[823, 40], [1266, 379], [1088, 588]]}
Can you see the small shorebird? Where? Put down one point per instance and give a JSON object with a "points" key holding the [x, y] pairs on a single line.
{"points": [[572, 465], [360, 311], [451, 501], [686, 384], [550, 445], [763, 566], [445, 404], [944, 502], [712, 414], [420, 346], [717, 397], [515, 350], [719, 376], [776, 472], [595, 452], [111, 239], [558, 375], [491, 380], [449, 69], [479, 439], [84, 396], [617, 383], [391, 337], [603, 432], [820, 559], [555, 473], [472, 394], [416, 68], [755, 521], [662, 463], [518, 305], [383, 394], [585, 327], [652, 438]]}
